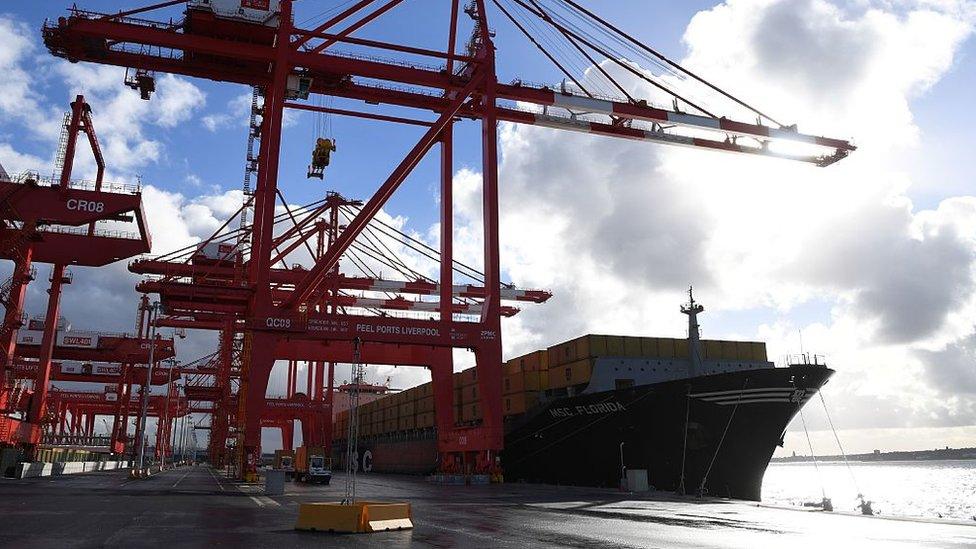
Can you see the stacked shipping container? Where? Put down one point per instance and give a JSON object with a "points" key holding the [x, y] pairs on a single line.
{"points": [[526, 377]]}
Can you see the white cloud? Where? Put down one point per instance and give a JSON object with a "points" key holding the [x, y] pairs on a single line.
{"points": [[18, 97], [237, 112], [15, 162], [177, 101], [120, 117]]}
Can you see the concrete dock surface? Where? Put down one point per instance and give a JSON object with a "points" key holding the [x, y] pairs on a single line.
{"points": [[198, 507]]}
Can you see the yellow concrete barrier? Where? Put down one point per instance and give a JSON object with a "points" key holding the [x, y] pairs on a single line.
{"points": [[359, 517]]}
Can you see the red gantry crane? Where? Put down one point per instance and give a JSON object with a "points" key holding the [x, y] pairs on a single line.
{"points": [[74, 414], [256, 43], [56, 220]]}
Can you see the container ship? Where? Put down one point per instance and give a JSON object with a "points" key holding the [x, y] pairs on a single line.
{"points": [[699, 416]]}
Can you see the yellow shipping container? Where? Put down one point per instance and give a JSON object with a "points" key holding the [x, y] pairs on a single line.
{"points": [[574, 373], [513, 383], [518, 403], [668, 348], [564, 353], [596, 345], [743, 350], [649, 347], [713, 349], [534, 361], [532, 381], [679, 347], [425, 420], [632, 346], [759, 351], [729, 350], [615, 346]]}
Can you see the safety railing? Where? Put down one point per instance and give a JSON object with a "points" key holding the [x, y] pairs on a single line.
{"points": [[83, 231], [806, 359], [33, 176]]}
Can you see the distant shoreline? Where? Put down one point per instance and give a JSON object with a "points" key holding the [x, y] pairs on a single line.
{"points": [[918, 455]]}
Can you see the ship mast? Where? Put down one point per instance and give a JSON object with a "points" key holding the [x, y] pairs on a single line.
{"points": [[694, 343]]}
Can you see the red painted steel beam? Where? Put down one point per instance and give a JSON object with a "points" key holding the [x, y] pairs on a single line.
{"points": [[357, 114], [305, 37], [67, 206], [387, 46], [109, 349], [357, 25], [312, 280], [80, 248]]}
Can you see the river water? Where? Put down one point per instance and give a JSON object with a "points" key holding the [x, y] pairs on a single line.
{"points": [[896, 488]]}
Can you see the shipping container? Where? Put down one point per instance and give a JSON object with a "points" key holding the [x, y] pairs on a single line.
{"points": [[759, 351], [518, 403], [534, 361], [573, 373], [713, 349], [471, 412], [564, 353], [425, 420], [632, 346], [649, 347], [669, 348], [729, 351]]}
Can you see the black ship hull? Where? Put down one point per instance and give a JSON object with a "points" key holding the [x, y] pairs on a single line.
{"points": [[712, 434]]}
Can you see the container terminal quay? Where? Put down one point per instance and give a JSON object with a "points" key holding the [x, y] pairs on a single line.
{"points": [[118, 439]]}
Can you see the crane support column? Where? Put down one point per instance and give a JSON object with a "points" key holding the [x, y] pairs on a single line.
{"points": [[35, 415], [488, 355], [12, 318]]}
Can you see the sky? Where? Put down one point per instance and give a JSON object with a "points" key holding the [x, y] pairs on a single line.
{"points": [[868, 262]]}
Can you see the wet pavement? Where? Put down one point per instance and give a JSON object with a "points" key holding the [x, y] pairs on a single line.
{"points": [[196, 507]]}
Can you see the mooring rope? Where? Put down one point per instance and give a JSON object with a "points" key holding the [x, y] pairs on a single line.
{"points": [[840, 446], [816, 465]]}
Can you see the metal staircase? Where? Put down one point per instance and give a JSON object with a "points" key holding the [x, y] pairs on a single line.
{"points": [[62, 147]]}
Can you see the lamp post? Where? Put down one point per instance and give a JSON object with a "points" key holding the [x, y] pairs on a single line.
{"points": [[166, 418], [153, 311]]}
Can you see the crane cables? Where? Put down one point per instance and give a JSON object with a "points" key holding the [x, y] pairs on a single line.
{"points": [[571, 37]]}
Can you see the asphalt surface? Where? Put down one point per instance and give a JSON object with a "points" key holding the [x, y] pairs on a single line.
{"points": [[196, 507]]}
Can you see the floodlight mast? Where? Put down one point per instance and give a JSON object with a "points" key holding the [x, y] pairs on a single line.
{"points": [[240, 50]]}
